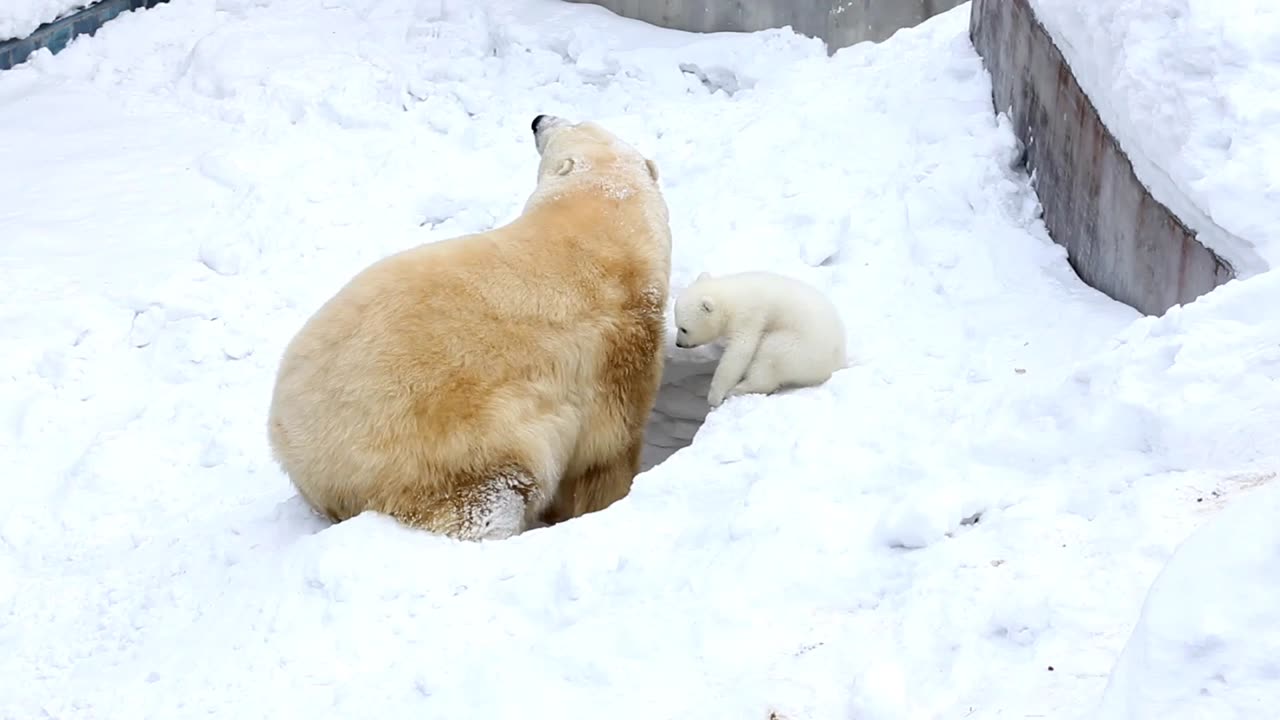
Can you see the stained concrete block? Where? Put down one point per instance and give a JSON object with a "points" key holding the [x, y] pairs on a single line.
{"points": [[1119, 239], [838, 23]]}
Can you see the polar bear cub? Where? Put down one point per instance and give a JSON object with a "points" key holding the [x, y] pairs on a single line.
{"points": [[781, 331]]}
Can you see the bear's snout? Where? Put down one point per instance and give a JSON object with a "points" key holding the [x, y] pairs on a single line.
{"points": [[537, 123]]}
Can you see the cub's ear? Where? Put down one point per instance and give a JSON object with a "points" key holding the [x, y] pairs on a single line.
{"points": [[566, 166], [707, 305], [703, 276], [653, 169]]}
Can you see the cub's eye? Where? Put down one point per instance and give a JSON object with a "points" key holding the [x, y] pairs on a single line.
{"points": [[683, 330]]}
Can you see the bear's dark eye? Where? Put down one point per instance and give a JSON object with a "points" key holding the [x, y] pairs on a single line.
{"points": [[683, 330]]}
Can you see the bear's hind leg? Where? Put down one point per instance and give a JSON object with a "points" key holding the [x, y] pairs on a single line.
{"points": [[761, 377], [496, 507], [493, 506]]}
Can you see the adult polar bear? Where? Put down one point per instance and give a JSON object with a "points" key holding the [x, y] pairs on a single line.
{"points": [[476, 385]]}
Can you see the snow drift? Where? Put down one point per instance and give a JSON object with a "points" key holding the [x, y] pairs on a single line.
{"points": [[1207, 644]]}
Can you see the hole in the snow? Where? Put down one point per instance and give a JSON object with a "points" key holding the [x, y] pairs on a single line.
{"points": [[680, 409]]}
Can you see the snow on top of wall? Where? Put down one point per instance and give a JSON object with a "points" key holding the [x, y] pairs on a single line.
{"points": [[19, 18], [1191, 90]]}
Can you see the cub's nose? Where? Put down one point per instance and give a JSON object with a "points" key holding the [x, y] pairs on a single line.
{"points": [[537, 122]]}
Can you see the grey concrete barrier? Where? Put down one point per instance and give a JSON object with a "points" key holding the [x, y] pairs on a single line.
{"points": [[838, 23], [1119, 238]]}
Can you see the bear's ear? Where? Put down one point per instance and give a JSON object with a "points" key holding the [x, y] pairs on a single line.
{"points": [[707, 306], [566, 166], [653, 169], [703, 276]]}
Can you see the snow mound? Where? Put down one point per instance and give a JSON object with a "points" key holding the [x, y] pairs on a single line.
{"points": [[1163, 385], [1207, 644], [922, 518], [1191, 90]]}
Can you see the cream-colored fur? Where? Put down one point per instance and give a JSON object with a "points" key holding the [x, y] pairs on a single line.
{"points": [[478, 385], [781, 331]]}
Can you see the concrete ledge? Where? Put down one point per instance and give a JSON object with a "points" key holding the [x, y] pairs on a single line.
{"points": [[1118, 237], [838, 23], [55, 35]]}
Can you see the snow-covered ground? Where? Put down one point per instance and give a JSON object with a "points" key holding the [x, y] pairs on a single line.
{"points": [[965, 524], [1191, 91], [19, 17]]}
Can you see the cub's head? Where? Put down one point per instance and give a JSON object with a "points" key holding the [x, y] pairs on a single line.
{"points": [[699, 317], [569, 148]]}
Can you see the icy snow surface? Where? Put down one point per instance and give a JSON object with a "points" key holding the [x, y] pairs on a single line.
{"points": [[1191, 90], [986, 494], [18, 18]]}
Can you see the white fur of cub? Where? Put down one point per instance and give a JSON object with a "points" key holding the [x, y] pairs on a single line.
{"points": [[781, 331]]}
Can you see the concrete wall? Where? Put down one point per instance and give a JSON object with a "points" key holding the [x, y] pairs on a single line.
{"points": [[839, 23], [55, 35], [1119, 239]]}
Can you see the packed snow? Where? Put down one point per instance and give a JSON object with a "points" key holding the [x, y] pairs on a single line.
{"points": [[18, 18], [965, 523], [1191, 91]]}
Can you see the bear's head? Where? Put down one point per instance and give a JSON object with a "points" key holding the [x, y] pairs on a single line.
{"points": [[699, 317], [569, 148]]}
